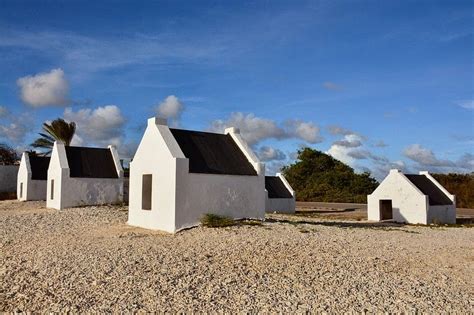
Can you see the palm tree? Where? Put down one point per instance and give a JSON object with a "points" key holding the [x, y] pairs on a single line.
{"points": [[57, 130]]}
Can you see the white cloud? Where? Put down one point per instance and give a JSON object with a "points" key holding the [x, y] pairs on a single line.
{"points": [[266, 153], [337, 130], [16, 128], [44, 89], [426, 160], [424, 156], [348, 143], [342, 149], [3, 111], [274, 167], [255, 129], [306, 131], [170, 108], [101, 126], [467, 104]]}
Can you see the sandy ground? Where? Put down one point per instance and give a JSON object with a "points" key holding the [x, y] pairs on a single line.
{"points": [[358, 211], [88, 259]]}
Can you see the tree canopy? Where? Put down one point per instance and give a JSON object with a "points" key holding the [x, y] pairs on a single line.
{"points": [[8, 155], [317, 176], [461, 185]]}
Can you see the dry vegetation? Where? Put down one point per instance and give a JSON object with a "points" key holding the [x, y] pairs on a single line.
{"points": [[88, 259]]}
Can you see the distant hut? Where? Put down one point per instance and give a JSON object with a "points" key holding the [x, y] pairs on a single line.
{"points": [[411, 198], [32, 177], [79, 176], [280, 197]]}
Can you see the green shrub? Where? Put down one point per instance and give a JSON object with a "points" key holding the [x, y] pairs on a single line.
{"points": [[214, 220]]}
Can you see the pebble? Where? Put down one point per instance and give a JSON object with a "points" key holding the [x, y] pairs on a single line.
{"points": [[88, 260]]}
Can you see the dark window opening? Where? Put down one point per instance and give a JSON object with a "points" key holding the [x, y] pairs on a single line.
{"points": [[146, 191], [52, 189], [386, 211]]}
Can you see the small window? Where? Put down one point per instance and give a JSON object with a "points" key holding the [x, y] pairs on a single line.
{"points": [[146, 191], [52, 189], [21, 190]]}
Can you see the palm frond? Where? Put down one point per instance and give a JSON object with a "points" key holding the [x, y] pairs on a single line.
{"points": [[57, 130]]}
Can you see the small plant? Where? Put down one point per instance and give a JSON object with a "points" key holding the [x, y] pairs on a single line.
{"points": [[250, 222], [214, 220]]}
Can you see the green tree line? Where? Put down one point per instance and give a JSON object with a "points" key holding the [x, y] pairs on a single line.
{"points": [[317, 176]]}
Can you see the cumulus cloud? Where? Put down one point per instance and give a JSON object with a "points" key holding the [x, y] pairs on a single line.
{"points": [[306, 131], [332, 86], [3, 111], [424, 156], [337, 130], [44, 89], [266, 153], [101, 126], [341, 149], [351, 143], [170, 108], [467, 104], [425, 159], [252, 128], [274, 167], [255, 129], [16, 128], [381, 170]]}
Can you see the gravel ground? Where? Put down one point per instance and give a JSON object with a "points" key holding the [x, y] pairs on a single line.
{"points": [[88, 259]]}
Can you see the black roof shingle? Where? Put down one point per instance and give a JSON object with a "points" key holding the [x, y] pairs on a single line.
{"points": [[435, 195], [212, 153], [91, 162], [39, 167], [276, 188]]}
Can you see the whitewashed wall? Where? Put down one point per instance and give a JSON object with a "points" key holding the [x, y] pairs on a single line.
{"points": [[180, 198], [234, 196], [32, 189], [8, 178], [155, 156], [409, 204], [442, 214], [281, 205], [74, 192]]}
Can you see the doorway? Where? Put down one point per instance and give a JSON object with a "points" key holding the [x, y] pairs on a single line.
{"points": [[386, 211]]}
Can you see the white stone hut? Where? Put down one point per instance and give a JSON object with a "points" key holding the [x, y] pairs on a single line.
{"points": [[411, 198], [280, 197], [177, 176], [32, 177], [80, 176]]}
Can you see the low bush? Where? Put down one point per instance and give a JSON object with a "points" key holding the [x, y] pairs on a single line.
{"points": [[214, 220]]}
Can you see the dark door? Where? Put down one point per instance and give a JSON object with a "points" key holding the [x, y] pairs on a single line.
{"points": [[386, 212]]}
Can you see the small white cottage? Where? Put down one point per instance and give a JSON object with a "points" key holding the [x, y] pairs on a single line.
{"points": [[32, 176], [79, 176], [177, 176], [280, 197], [411, 198]]}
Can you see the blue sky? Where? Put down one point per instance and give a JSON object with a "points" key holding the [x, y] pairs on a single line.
{"points": [[377, 84]]}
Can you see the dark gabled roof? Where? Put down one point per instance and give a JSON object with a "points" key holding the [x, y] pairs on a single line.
{"points": [[39, 167], [276, 188], [91, 162], [212, 153], [435, 195]]}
